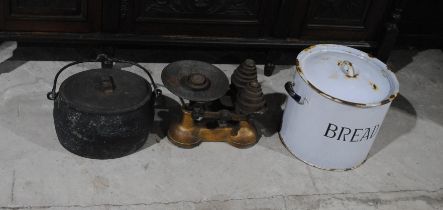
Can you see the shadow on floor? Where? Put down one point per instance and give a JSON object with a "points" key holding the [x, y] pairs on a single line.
{"points": [[8, 66], [269, 123], [167, 110], [401, 58], [400, 120], [422, 81]]}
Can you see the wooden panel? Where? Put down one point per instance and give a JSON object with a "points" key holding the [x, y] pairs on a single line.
{"points": [[342, 19], [198, 17], [47, 9], [338, 13], [50, 15], [199, 10]]}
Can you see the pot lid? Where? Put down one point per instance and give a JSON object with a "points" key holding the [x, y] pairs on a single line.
{"points": [[105, 91], [347, 75]]}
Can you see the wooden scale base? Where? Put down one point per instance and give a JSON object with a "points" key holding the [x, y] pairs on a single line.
{"points": [[188, 133]]}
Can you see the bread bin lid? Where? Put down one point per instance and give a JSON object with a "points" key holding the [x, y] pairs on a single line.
{"points": [[347, 75], [105, 91]]}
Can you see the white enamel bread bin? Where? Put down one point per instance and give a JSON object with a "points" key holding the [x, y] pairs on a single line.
{"points": [[336, 106]]}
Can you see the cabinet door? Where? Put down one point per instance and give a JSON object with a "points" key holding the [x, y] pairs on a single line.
{"points": [[339, 19], [50, 15], [243, 18]]}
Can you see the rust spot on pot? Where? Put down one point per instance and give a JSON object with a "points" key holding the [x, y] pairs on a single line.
{"points": [[391, 98], [370, 55], [373, 85], [308, 48], [297, 67], [385, 101]]}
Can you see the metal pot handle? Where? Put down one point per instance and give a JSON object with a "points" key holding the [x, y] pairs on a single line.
{"points": [[52, 95], [289, 86], [157, 91]]}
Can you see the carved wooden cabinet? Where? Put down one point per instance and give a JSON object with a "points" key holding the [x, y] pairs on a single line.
{"points": [[269, 25], [50, 15], [341, 19], [356, 20], [225, 18], [302, 19]]}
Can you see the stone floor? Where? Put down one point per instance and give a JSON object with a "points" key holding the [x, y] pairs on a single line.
{"points": [[404, 170]]}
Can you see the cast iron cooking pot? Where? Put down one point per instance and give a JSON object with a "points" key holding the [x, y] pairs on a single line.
{"points": [[103, 113]]}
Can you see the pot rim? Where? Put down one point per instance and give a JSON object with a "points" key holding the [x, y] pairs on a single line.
{"points": [[150, 97], [387, 100]]}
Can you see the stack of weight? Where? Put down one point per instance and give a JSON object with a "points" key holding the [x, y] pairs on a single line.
{"points": [[249, 97], [245, 73], [250, 100]]}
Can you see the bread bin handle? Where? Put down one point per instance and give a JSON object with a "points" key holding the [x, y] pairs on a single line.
{"points": [[289, 86]]}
